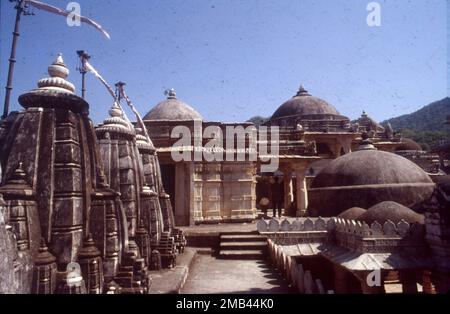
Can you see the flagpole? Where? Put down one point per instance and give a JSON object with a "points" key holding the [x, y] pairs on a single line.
{"points": [[83, 57], [12, 60]]}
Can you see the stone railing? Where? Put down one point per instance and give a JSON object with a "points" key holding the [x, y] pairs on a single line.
{"points": [[303, 230], [298, 277], [351, 234], [302, 224], [376, 230], [389, 237]]}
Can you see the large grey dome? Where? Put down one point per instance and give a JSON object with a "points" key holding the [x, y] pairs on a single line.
{"points": [[172, 109], [365, 178], [303, 104]]}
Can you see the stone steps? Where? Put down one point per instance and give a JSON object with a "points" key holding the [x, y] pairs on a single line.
{"points": [[241, 238], [243, 245], [242, 254]]}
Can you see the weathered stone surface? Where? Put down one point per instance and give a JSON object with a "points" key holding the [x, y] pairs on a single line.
{"points": [[7, 252]]}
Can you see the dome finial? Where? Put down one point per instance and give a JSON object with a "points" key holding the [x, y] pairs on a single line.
{"points": [[58, 73], [115, 110], [366, 143], [58, 68], [170, 93], [302, 91], [116, 122]]}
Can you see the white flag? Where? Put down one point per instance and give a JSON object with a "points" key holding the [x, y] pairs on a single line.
{"points": [[55, 10]]}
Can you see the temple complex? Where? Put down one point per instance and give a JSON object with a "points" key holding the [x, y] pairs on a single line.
{"points": [[110, 208], [327, 135]]}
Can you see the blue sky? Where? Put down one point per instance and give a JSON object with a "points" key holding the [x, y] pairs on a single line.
{"points": [[232, 60]]}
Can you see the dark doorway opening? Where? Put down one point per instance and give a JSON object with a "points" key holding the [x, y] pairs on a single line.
{"points": [[168, 179]]}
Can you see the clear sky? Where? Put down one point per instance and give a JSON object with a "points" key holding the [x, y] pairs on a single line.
{"points": [[232, 60]]}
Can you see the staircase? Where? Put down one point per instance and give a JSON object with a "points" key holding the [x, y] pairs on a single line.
{"points": [[243, 245]]}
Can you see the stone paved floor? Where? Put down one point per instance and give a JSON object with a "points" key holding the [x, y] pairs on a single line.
{"points": [[211, 275]]}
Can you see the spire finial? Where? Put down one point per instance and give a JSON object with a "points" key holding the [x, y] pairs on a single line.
{"points": [[115, 110], [366, 143], [58, 68], [58, 73], [302, 91], [171, 93], [19, 174]]}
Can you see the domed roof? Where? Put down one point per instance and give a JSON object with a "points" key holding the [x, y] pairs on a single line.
{"points": [[409, 144], [172, 109], [370, 167], [369, 123], [303, 104], [352, 213], [392, 211], [365, 178]]}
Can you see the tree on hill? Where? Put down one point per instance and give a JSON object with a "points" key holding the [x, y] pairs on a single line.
{"points": [[425, 126]]}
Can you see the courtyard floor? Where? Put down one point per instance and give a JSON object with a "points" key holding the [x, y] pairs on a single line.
{"points": [[211, 275]]}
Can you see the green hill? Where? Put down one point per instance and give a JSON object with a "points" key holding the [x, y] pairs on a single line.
{"points": [[425, 126]]}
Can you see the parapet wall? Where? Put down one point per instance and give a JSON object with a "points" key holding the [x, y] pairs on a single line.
{"points": [[351, 234]]}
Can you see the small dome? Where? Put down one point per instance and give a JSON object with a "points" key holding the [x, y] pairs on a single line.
{"points": [[172, 109], [365, 178], [303, 104], [369, 123], [352, 213], [409, 144], [392, 211]]}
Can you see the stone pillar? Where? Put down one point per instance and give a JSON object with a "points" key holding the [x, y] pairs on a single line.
{"points": [[196, 192], [181, 211], [346, 145], [301, 193], [337, 148], [287, 189]]}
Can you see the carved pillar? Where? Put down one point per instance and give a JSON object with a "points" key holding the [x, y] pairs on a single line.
{"points": [[346, 145], [287, 179], [301, 192], [337, 148]]}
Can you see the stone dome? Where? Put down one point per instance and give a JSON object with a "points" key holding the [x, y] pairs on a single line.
{"points": [[172, 109], [303, 104], [409, 144], [352, 213], [365, 178], [392, 211]]}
